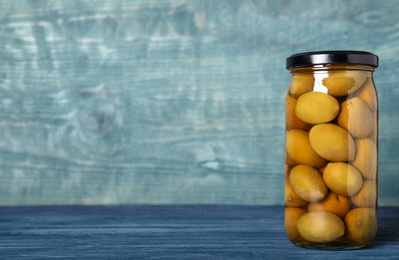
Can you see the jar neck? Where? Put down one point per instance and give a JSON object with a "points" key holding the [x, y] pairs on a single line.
{"points": [[331, 67]]}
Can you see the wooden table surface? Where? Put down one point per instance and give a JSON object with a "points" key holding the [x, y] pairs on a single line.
{"points": [[168, 232]]}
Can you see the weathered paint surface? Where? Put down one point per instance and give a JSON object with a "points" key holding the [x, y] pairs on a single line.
{"points": [[170, 232], [164, 102]]}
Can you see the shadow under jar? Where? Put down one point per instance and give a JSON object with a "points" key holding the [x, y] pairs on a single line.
{"points": [[331, 145]]}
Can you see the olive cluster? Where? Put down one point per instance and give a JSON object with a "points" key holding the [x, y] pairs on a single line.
{"points": [[331, 158]]}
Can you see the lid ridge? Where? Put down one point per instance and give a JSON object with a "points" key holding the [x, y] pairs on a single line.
{"points": [[332, 57]]}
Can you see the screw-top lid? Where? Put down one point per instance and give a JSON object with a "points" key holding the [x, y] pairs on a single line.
{"points": [[332, 57]]}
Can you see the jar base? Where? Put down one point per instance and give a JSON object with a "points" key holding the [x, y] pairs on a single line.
{"points": [[331, 247]]}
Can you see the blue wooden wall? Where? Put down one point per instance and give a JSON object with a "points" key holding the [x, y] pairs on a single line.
{"points": [[170, 101]]}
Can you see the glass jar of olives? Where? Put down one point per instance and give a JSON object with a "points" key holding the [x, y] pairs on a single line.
{"points": [[331, 146]]}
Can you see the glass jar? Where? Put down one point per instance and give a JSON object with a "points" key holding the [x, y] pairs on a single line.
{"points": [[331, 145]]}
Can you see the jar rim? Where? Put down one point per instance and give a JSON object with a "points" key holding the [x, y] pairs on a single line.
{"points": [[332, 57]]}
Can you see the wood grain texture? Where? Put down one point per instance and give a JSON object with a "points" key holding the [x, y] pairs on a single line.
{"points": [[164, 101], [169, 232]]}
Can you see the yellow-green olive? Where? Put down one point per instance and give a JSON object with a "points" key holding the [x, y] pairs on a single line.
{"points": [[320, 226], [308, 183], [332, 142], [316, 108], [299, 150]]}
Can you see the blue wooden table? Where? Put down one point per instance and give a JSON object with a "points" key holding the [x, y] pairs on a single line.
{"points": [[168, 232]]}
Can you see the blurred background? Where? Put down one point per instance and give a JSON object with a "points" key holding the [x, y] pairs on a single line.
{"points": [[170, 101]]}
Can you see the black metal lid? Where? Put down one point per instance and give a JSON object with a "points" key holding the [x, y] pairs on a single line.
{"points": [[332, 57]]}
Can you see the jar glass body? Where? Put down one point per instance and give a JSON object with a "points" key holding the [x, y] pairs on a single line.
{"points": [[331, 165]]}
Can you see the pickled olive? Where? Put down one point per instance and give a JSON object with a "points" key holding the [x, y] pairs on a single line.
{"points": [[361, 225], [307, 183], [300, 84], [367, 196], [316, 108], [291, 120], [290, 221], [342, 178], [367, 93], [299, 150], [366, 158], [339, 205], [291, 199], [374, 132], [342, 83], [356, 117], [320, 226], [332, 142]]}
